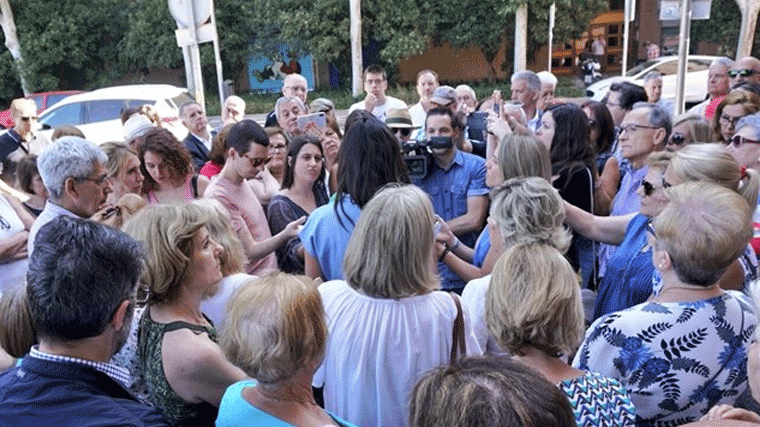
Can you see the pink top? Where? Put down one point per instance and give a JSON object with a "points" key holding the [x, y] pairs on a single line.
{"points": [[247, 217], [189, 192]]}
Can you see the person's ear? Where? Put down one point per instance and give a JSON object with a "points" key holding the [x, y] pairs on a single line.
{"points": [[659, 137], [122, 312], [70, 187], [231, 152]]}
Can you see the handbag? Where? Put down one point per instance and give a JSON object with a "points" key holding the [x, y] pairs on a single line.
{"points": [[458, 347]]}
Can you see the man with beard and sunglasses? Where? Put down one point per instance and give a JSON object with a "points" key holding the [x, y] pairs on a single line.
{"points": [[246, 156], [81, 290]]}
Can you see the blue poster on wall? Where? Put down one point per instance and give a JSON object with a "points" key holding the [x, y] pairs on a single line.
{"points": [[265, 74]]}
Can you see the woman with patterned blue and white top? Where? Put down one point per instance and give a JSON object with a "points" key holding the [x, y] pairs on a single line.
{"points": [[686, 350]]}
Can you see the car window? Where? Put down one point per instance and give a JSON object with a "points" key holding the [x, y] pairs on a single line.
{"points": [[698, 65], [137, 103], [180, 100], [54, 99], [103, 109], [69, 114], [38, 100], [637, 69], [668, 68]]}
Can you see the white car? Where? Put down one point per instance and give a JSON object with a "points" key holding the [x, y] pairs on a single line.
{"points": [[695, 89], [96, 113]]}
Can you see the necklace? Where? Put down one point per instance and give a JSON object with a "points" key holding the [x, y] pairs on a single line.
{"points": [[309, 402]]}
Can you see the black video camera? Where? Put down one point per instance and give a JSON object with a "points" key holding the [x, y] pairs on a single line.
{"points": [[418, 157]]}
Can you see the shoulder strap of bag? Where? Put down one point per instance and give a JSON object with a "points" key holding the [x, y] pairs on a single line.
{"points": [[459, 346]]}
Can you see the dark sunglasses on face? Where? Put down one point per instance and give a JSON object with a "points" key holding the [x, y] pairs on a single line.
{"points": [[402, 131], [677, 139], [26, 119], [648, 188], [738, 140], [745, 72]]}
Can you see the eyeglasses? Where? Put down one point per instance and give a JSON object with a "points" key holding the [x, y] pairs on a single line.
{"points": [[402, 131], [612, 104], [648, 187], [633, 127], [258, 161], [745, 72], [728, 120], [738, 140], [677, 139], [666, 184], [26, 119], [273, 147], [98, 181]]}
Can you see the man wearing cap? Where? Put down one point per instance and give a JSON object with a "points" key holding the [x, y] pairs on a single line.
{"points": [[456, 185], [427, 82], [294, 85], [400, 122], [376, 101], [746, 69], [136, 126]]}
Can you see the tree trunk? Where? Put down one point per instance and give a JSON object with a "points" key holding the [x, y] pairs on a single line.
{"points": [[521, 38], [11, 41], [749, 9]]}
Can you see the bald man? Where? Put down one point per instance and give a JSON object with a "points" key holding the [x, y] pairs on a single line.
{"points": [[746, 69], [294, 85]]}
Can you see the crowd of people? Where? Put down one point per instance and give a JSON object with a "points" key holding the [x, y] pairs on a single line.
{"points": [[531, 262]]}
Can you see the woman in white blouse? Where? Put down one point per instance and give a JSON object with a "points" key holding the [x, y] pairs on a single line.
{"points": [[388, 325], [15, 222]]}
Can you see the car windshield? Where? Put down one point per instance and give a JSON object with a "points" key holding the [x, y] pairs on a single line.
{"points": [[637, 69], [181, 99]]}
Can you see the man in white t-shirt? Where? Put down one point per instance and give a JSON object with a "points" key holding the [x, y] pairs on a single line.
{"points": [[427, 82], [376, 102]]}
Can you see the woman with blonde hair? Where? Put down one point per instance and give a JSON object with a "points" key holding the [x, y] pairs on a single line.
{"points": [[184, 368], [276, 334], [384, 309], [523, 210], [533, 309], [687, 129], [123, 168]]}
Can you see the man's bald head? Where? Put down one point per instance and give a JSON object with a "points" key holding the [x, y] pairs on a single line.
{"points": [[746, 69]]}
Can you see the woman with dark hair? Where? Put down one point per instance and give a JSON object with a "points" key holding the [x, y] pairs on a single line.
{"points": [[602, 135], [217, 155], [369, 158], [303, 190], [564, 129], [168, 170], [29, 182]]}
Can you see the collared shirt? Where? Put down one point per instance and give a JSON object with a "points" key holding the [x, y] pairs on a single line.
{"points": [[535, 122], [206, 142], [51, 212], [117, 373]]}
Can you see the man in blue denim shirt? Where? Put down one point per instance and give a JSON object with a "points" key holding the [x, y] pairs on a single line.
{"points": [[456, 185]]}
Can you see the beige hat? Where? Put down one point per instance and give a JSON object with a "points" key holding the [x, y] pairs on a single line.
{"points": [[136, 126], [399, 118]]}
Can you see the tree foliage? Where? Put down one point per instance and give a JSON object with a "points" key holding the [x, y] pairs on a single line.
{"points": [[722, 29]]}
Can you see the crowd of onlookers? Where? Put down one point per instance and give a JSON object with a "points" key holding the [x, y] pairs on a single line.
{"points": [[529, 261]]}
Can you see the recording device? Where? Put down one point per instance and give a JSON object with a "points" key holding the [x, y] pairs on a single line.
{"points": [[476, 125], [418, 155], [317, 118]]}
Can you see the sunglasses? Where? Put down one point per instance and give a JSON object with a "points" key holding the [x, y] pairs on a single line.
{"points": [[738, 140], [648, 188], [26, 119], [402, 131], [258, 161], [746, 72], [677, 139]]}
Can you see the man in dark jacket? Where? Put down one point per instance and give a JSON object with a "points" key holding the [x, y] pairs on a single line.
{"points": [[81, 286], [198, 140]]}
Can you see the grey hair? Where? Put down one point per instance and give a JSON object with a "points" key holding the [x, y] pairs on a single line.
{"points": [[658, 117], [752, 121], [534, 83], [547, 77], [69, 157], [184, 106], [724, 61], [652, 75], [469, 90], [283, 100]]}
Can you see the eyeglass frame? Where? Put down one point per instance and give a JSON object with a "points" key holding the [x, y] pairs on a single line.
{"points": [[738, 141], [633, 127], [744, 72], [257, 161]]}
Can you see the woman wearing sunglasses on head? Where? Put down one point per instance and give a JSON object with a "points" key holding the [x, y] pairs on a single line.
{"points": [[629, 278]]}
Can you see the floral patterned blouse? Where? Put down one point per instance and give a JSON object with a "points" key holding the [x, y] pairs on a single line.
{"points": [[677, 360]]}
